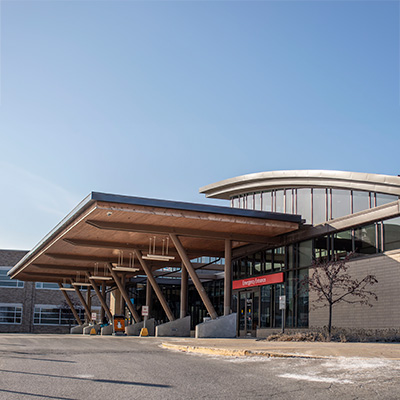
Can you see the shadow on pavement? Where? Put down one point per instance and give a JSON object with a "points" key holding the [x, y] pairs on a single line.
{"points": [[43, 359], [42, 396], [90, 379]]}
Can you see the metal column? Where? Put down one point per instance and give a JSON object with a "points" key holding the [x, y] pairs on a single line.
{"points": [[193, 276]]}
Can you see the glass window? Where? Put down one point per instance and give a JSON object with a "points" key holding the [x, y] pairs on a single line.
{"points": [[266, 306], [302, 302], [48, 285], [279, 198], [6, 281], [304, 204], [257, 201], [360, 201], [250, 201], [279, 258], [10, 313], [364, 240], [53, 315], [385, 198], [340, 203], [342, 244], [258, 263], [289, 197], [267, 201], [268, 260], [305, 253], [319, 206], [321, 245], [391, 234]]}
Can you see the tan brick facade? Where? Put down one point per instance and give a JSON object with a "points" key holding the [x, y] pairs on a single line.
{"points": [[385, 312]]}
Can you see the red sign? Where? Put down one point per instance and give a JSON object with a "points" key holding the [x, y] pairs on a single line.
{"points": [[258, 281]]}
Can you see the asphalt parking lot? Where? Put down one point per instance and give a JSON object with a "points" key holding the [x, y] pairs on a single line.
{"points": [[78, 367]]}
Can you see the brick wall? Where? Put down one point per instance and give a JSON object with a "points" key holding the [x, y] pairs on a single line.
{"points": [[29, 296], [385, 312]]}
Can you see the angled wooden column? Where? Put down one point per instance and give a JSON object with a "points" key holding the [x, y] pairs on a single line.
{"points": [[124, 293], [228, 278], [155, 286], [193, 276], [82, 300], [99, 295], [71, 305], [184, 291]]}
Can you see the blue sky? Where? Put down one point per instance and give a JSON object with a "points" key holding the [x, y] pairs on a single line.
{"points": [[159, 98]]}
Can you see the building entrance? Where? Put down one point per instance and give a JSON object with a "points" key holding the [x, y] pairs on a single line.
{"points": [[248, 312]]}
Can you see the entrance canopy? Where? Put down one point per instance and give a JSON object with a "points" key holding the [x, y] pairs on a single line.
{"points": [[107, 230]]}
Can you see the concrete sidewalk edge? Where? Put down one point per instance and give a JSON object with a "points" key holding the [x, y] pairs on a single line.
{"points": [[236, 353]]}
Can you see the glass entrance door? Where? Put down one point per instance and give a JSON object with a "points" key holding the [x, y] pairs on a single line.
{"points": [[248, 308]]}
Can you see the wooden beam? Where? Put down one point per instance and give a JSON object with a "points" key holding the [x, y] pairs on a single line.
{"points": [[228, 278], [101, 298], [100, 244], [193, 276], [71, 305], [155, 286], [61, 267], [165, 230], [82, 299], [124, 293]]}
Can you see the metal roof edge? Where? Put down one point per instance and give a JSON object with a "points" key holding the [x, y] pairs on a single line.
{"points": [[59, 227]]}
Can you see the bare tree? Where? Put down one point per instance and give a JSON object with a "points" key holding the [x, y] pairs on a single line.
{"points": [[332, 284]]}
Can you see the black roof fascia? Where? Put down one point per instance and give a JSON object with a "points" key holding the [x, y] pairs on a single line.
{"points": [[180, 205]]}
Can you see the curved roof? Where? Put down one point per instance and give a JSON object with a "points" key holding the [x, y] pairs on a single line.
{"points": [[302, 178]]}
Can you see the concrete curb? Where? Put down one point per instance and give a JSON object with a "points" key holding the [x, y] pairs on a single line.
{"points": [[236, 353]]}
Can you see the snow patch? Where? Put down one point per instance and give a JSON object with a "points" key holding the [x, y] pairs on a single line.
{"points": [[313, 378]]}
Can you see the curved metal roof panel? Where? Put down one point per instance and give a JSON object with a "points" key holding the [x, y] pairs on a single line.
{"points": [[228, 188]]}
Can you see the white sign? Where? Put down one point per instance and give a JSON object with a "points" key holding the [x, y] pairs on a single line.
{"points": [[282, 302], [94, 316], [145, 311]]}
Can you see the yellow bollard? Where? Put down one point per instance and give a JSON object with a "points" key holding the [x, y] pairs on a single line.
{"points": [[144, 332]]}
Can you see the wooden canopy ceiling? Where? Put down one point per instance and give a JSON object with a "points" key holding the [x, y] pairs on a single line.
{"points": [[105, 228]]}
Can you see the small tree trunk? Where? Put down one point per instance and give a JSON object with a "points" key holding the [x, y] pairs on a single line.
{"points": [[330, 321]]}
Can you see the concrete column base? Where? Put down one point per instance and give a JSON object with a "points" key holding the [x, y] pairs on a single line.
{"points": [[180, 328], [134, 329], [77, 329], [87, 329], [107, 330], [222, 327]]}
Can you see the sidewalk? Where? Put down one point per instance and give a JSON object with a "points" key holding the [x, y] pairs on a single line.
{"points": [[253, 347]]}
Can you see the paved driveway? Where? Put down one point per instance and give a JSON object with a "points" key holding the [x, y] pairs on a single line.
{"points": [[77, 367]]}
